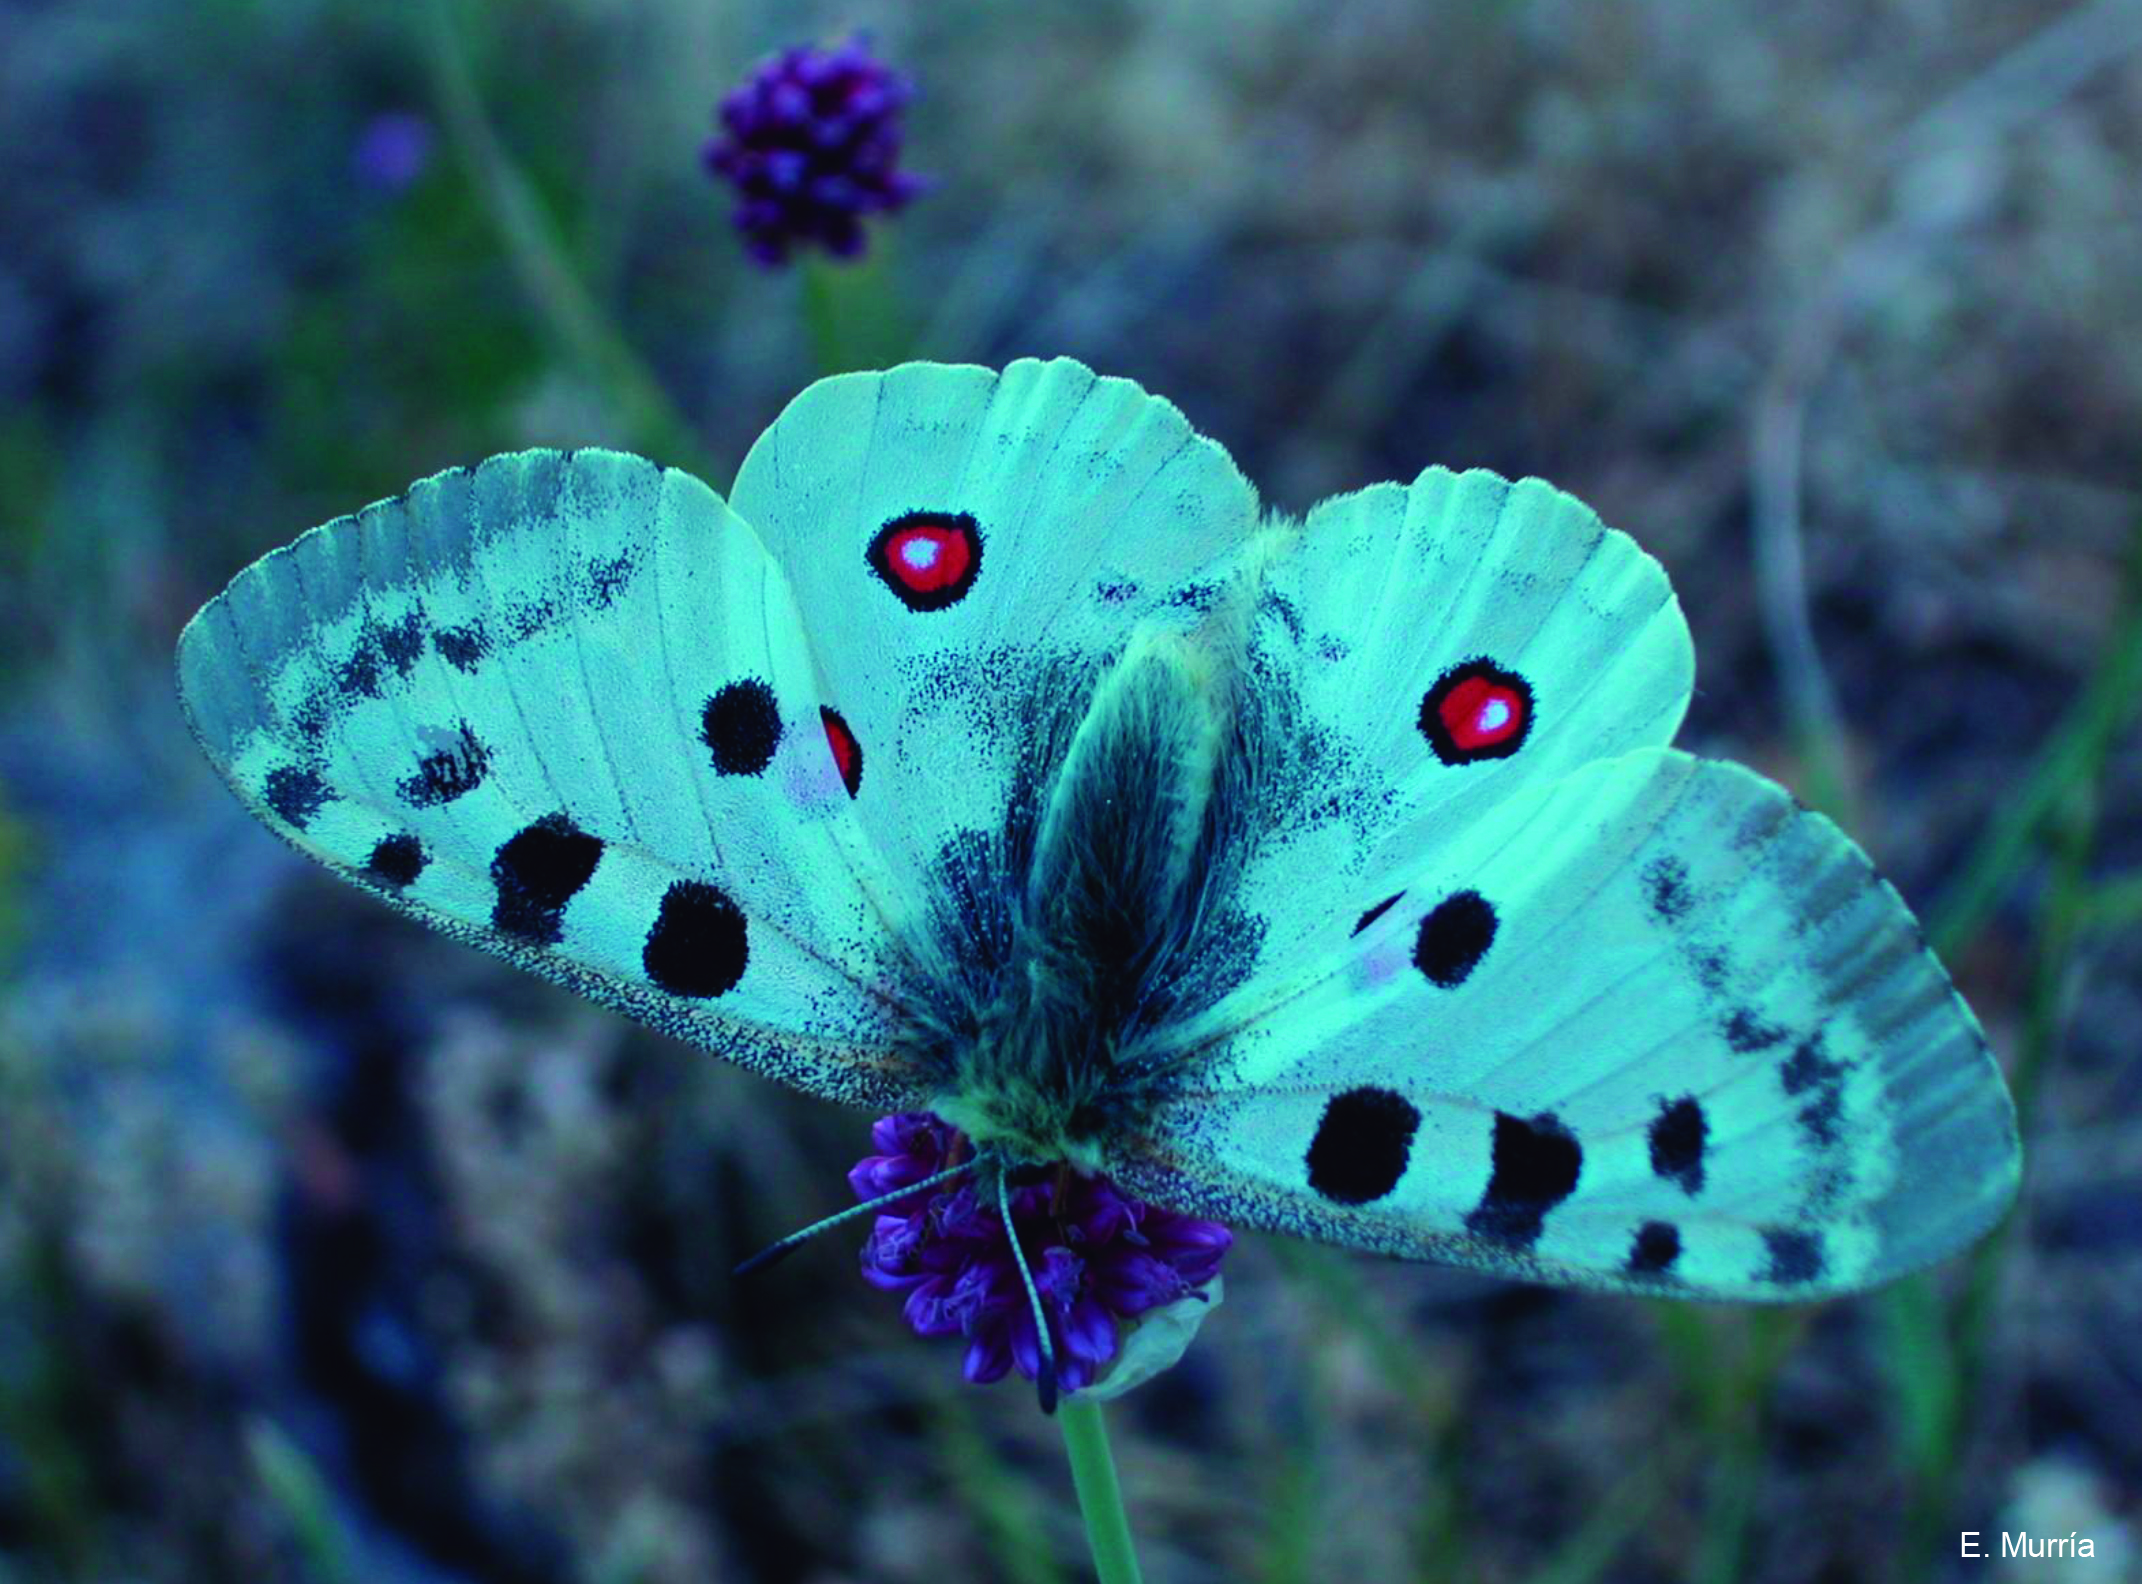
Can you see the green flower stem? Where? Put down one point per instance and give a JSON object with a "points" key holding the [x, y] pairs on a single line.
{"points": [[851, 311], [552, 286], [1100, 1498]]}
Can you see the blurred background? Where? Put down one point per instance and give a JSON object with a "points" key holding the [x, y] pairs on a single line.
{"points": [[331, 1251]]}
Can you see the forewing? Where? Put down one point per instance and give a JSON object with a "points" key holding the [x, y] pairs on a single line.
{"points": [[1651, 1026], [967, 547], [561, 707]]}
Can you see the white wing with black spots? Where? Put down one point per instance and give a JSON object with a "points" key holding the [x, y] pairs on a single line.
{"points": [[1648, 1026], [562, 707]]}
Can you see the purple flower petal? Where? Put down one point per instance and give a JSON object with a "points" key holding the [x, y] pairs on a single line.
{"points": [[1098, 1257], [811, 143]]}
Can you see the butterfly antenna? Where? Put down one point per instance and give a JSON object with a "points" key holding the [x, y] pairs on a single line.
{"points": [[1045, 1378], [781, 1248]]}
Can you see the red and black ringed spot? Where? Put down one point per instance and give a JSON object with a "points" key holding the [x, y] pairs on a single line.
{"points": [[1477, 711], [847, 752], [929, 559]]}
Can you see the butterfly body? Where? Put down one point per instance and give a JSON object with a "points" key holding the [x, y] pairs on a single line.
{"points": [[988, 752], [1112, 863]]}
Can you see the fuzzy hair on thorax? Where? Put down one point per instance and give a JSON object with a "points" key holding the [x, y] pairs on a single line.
{"points": [[1115, 862]]}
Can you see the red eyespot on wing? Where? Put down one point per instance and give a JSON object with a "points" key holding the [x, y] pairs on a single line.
{"points": [[847, 752], [1477, 711], [928, 559]]}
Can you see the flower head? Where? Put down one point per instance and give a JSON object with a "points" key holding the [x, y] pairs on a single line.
{"points": [[811, 142], [1099, 1258]]}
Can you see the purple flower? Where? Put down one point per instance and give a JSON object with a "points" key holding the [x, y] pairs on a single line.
{"points": [[811, 142], [1098, 1258]]}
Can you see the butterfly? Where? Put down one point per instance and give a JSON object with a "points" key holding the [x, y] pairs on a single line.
{"points": [[990, 753]]}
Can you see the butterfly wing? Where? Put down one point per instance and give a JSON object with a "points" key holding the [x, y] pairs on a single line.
{"points": [[1649, 1026], [560, 707], [967, 546], [1429, 650]]}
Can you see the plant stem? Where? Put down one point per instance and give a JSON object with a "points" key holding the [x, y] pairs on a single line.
{"points": [[852, 313], [552, 286], [1100, 1498]]}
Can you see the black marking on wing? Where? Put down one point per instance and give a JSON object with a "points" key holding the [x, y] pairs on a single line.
{"points": [[359, 675], [1808, 1071], [1362, 1144], [1536, 1166], [447, 773], [1666, 890], [396, 860], [1454, 936], [1655, 1247], [463, 648], [697, 945], [608, 579], [1677, 1136], [537, 871], [741, 726], [524, 620], [401, 643], [1377, 912], [1746, 1032], [1796, 1256], [295, 794]]}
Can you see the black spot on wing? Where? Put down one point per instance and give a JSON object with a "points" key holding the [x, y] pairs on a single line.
{"points": [[1745, 1032], [401, 643], [359, 674], [396, 860], [697, 945], [463, 648], [1377, 912], [537, 871], [1454, 936], [1677, 1135], [1810, 1072], [1796, 1255], [449, 772], [295, 794], [1656, 1246], [1362, 1144], [741, 726], [1711, 969], [1536, 1166], [1666, 890]]}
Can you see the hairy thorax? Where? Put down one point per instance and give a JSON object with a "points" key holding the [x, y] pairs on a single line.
{"points": [[1065, 1046]]}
